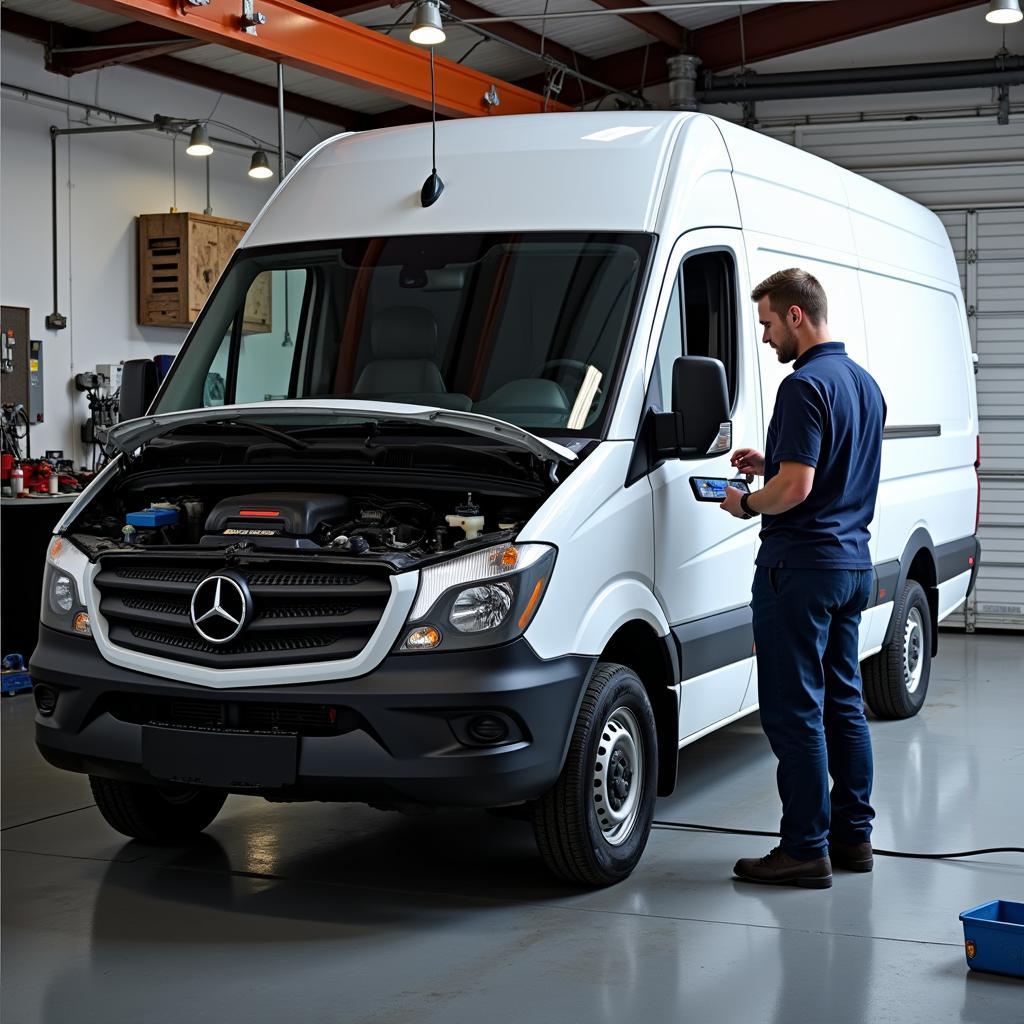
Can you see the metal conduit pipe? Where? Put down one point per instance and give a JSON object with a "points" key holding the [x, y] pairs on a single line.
{"points": [[709, 81], [758, 92]]}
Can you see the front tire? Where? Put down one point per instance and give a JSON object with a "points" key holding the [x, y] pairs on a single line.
{"points": [[157, 815], [896, 679], [592, 826]]}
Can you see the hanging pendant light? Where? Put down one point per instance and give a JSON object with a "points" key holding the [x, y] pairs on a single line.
{"points": [[199, 142], [259, 166], [1004, 12], [427, 29]]}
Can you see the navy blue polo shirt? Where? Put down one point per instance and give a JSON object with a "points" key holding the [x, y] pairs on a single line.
{"points": [[829, 414]]}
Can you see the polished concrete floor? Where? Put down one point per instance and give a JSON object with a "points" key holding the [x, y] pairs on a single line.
{"points": [[320, 913]]}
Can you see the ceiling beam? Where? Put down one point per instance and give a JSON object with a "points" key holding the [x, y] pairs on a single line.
{"points": [[256, 92], [87, 51], [770, 32], [302, 37], [791, 28], [126, 44], [522, 36], [662, 28], [47, 32]]}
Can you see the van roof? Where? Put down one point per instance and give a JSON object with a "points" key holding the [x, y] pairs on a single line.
{"points": [[540, 172], [592, 171]]}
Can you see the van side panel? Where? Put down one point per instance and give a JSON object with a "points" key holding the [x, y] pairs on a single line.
{"points": [[919, 354]]}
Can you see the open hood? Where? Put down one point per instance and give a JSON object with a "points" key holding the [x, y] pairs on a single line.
{"points": [[132, 434]]}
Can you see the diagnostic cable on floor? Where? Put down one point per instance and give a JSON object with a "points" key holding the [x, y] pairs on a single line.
{"points": [[686, 826]]}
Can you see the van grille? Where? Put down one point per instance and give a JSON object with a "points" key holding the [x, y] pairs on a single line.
{"points": [[298, 615]]}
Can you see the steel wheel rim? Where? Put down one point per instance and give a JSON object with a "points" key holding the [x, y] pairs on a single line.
{"points": [[618, 780], [913, 650]]}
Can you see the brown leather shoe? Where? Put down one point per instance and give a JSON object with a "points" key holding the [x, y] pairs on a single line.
{"points": [[851, 856], [778, 868]]}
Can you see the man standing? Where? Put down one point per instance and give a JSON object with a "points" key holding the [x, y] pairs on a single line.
{"points": [[813, 579]]}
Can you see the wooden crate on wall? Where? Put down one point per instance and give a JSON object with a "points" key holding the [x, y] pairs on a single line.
{"points": [[181, 256]]}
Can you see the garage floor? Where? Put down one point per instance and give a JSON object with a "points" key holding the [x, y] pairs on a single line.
{"points": [[344, 914]]}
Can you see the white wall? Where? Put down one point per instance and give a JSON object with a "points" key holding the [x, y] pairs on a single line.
{"points": [[104, 182]]}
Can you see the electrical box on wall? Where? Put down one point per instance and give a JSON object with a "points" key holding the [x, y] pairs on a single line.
{"points": [[21, 380], [181, 256], [35, 381]]}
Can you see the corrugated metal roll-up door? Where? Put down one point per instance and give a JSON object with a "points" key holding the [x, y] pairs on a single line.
{"points": [[980, 199]]}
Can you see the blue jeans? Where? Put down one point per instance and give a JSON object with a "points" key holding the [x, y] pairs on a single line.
{"points": [[812, 703]]}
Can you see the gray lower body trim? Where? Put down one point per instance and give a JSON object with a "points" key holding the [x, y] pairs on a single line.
{"points": [[887, 578], [955, 558], [728, 637], [714, 642]]}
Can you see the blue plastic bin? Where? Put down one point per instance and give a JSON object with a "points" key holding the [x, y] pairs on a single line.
{"points": [[994, 937]]}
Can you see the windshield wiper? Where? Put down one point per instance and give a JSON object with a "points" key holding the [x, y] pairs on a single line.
{"points": [[262, 428]]}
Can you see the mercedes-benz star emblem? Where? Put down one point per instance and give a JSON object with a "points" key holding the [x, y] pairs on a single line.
{"points": [[220, 609]]}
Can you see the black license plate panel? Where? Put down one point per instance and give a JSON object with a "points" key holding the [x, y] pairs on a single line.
{"points": [[197, 757]]}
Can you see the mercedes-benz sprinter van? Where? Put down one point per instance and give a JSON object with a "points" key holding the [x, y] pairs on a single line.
{"points": [[420, 514]]}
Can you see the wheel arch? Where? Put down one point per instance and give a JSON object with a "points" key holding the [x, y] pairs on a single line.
{"points": [[655, 661], [918, 563]]}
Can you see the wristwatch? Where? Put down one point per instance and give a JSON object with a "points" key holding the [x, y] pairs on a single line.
{"points": [[748, 512]]}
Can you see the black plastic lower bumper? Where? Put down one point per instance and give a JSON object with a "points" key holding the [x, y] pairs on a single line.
{"points": [[411, 731]]}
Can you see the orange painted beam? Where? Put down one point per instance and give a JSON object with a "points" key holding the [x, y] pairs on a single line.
{"points": [[303, 37]]}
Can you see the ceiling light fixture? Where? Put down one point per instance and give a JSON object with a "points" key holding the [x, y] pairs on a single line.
{"points": [[1004, 12], [259, 166], [199, 142], [427, 29]]}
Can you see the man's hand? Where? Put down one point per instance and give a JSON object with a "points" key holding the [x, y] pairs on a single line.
{"points": [[748, 461], [732, 502]]}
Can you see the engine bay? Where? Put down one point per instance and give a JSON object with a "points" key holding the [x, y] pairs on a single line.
{"points": [[363, 525]]}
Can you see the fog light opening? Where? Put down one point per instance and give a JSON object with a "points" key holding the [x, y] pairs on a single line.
{"points": [[487, 730], [45, 698]]}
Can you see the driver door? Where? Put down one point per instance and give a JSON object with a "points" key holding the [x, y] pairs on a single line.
{"points": [[704, 557]]}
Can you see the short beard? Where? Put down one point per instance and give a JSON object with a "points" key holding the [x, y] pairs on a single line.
{"points": [[788, 346]]}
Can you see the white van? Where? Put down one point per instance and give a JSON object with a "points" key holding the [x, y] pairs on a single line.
{"points": [[415, 517]]}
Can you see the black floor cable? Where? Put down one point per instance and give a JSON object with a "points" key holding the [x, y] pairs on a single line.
{"points": [[686, 826]]}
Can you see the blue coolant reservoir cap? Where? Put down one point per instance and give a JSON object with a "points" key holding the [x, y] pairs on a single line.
{"points": [[151, 517]]}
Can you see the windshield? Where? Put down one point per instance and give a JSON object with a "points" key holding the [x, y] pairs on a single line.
{"points": [[527, 328]]}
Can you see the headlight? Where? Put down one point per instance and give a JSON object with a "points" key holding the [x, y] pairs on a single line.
{"points": [[62, 594], [486, 597], [481, 608], [62, 605]]}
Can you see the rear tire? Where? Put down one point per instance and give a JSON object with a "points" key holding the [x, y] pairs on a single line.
{"points": [[896, 679], [153, 814], [592, 826]]}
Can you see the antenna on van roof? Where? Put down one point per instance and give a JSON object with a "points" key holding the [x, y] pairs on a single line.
{"points": [[433, 186]]}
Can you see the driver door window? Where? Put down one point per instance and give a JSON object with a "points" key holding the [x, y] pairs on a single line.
{"points": [[700, 321]]}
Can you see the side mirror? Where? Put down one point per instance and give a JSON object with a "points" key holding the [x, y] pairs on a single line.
{"points": [[698, 425], [138, 388]]}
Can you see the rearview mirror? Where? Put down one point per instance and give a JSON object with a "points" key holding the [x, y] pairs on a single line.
{"points": [[138, 387], [698, 425]]}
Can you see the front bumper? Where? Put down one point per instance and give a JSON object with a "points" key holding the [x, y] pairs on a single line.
{"points": [[405, 739]]}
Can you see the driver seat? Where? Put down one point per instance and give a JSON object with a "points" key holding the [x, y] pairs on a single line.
{"points": [[403, 341]]}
